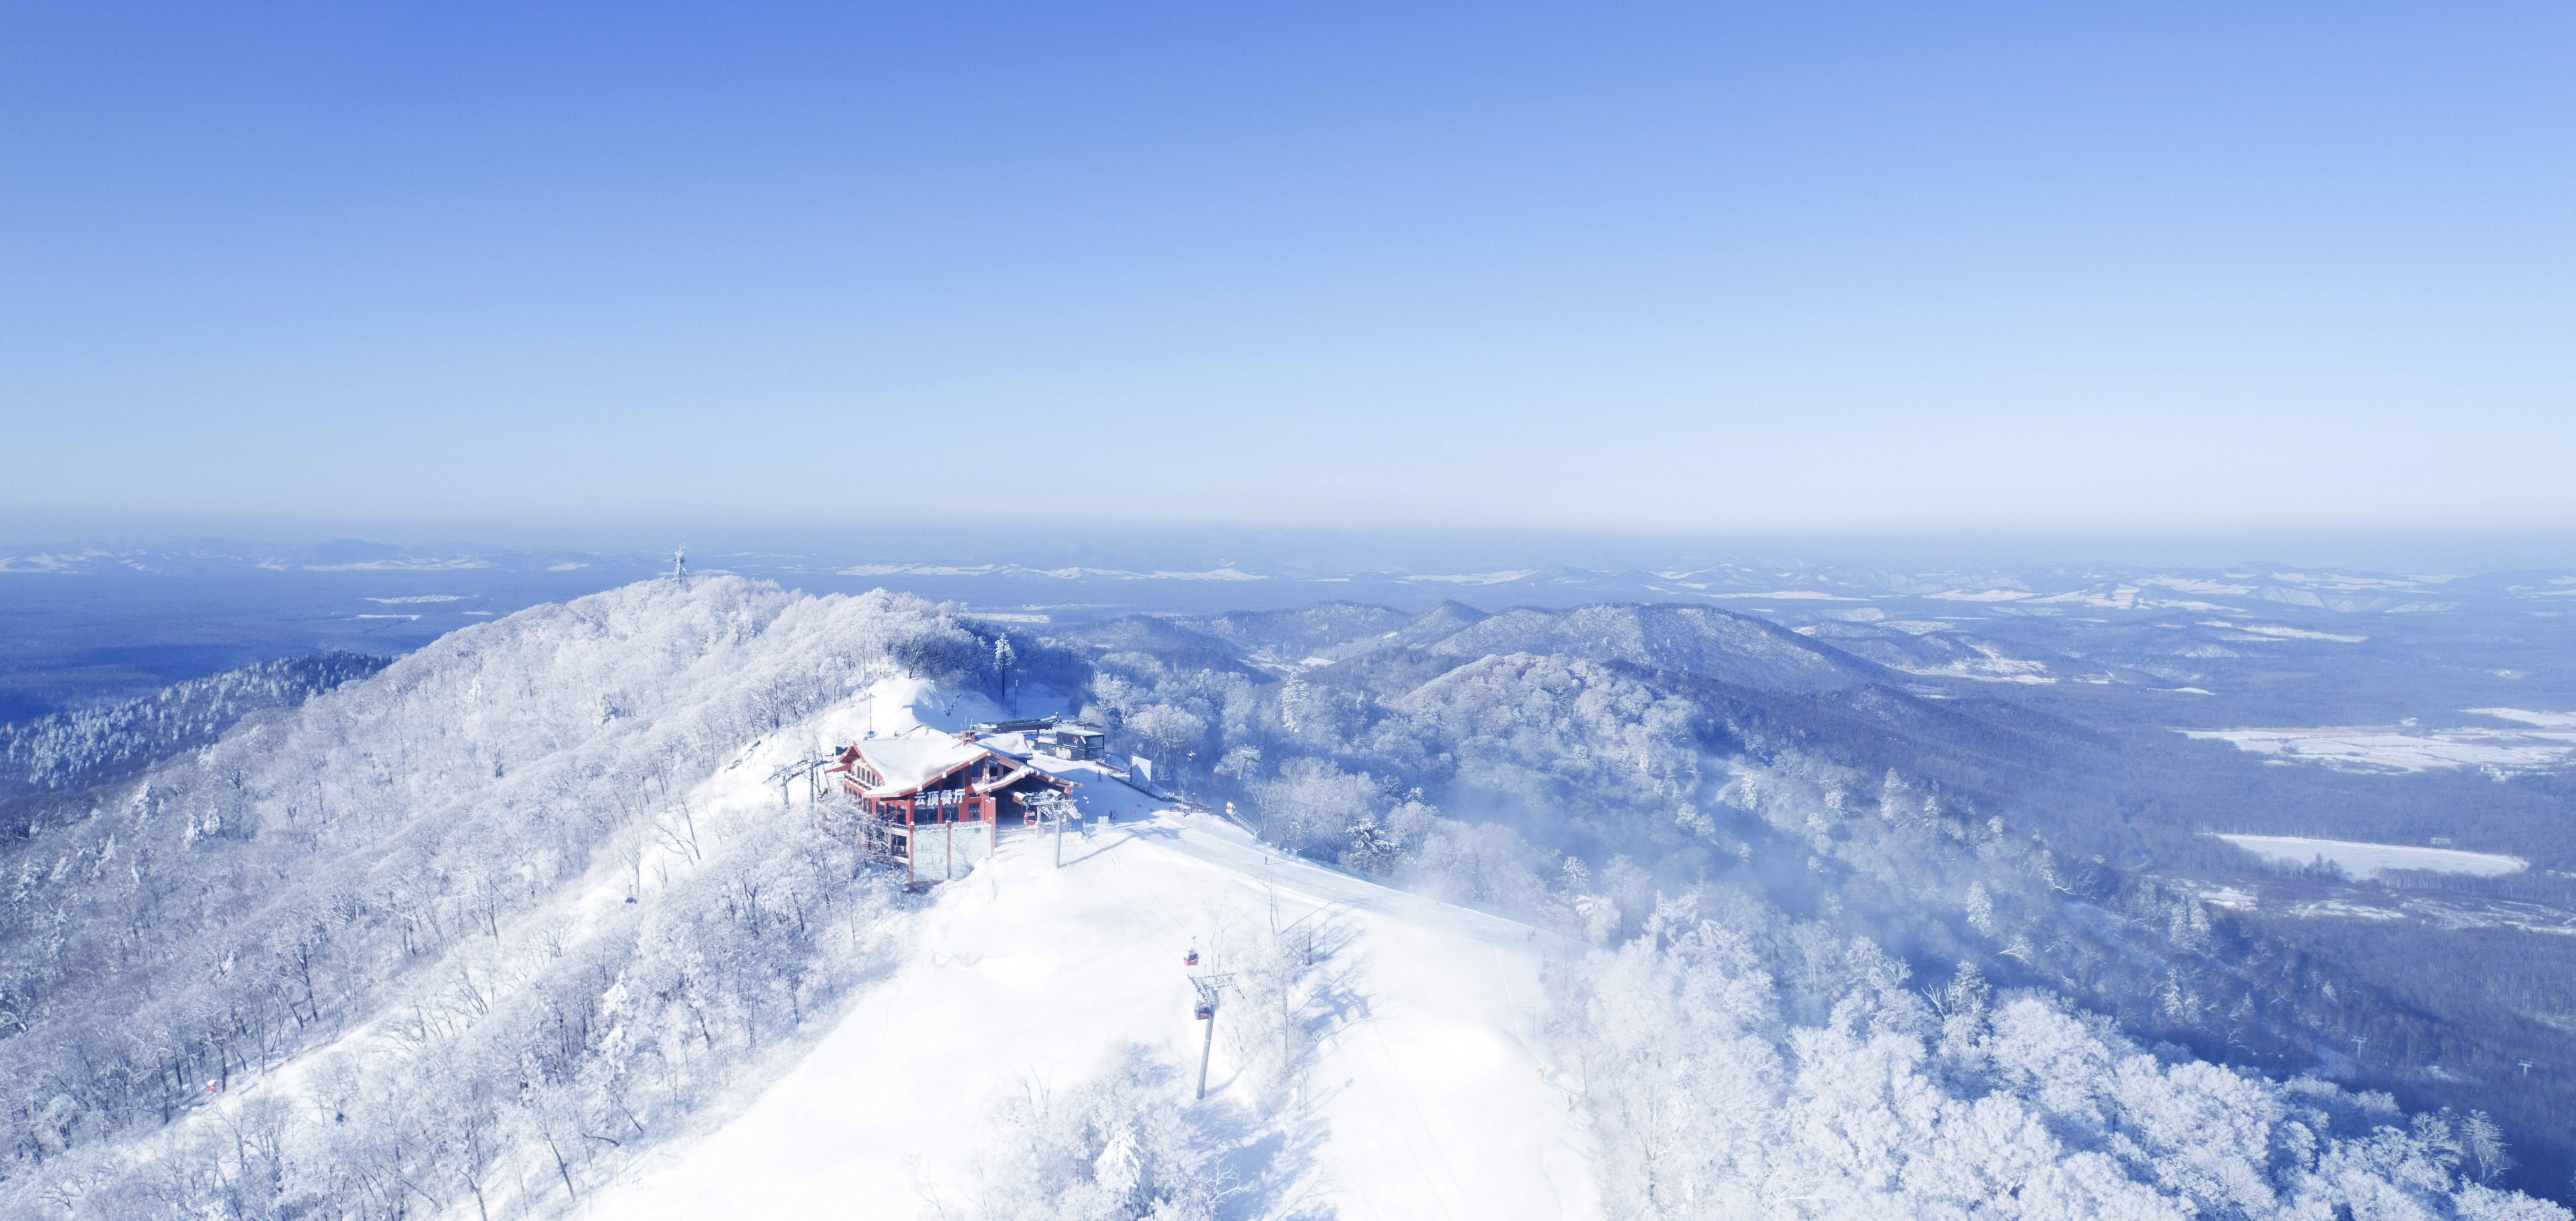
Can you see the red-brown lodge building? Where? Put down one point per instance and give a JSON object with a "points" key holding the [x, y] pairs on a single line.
{"points": [[931, 779]]}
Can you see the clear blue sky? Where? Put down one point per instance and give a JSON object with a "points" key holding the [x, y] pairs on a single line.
{"points": [[1701, 268]]}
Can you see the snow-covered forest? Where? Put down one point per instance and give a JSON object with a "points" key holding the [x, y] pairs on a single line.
{"points": [[457, 922], [1948, 1100], [472, 935], [1590, 792], [68, 750]]}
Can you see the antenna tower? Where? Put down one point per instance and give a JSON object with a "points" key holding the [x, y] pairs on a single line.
{"points": [[680, 563]]}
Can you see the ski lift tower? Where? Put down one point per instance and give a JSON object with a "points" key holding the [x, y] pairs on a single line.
{"points": [[810, 768], [1053, 810], [1209, 986]]}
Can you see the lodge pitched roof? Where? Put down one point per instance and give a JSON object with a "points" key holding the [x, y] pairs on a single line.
{"points": [[905, 766]]}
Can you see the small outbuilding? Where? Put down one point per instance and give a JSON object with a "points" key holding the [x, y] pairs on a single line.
{"points": [[1054, 735]]}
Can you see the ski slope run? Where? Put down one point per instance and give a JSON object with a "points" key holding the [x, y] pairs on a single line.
{"points": [[1430, 1094]]}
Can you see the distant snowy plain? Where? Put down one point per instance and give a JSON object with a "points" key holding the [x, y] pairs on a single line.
{"points": [[2369, 860], [2388, 749]]}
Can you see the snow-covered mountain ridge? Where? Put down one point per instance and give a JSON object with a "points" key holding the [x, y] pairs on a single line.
{"points": [[376, 908], [523, 926], [1700, 640]]}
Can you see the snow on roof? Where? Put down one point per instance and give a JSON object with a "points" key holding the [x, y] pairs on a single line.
{"points": [[1018, 774], [906, 764]]}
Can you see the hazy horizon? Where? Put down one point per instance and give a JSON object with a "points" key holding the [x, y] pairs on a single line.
{"points": [[1360, 550]]}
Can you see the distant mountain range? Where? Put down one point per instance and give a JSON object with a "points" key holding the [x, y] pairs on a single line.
{"points": [[339, 555], [1698, 640], [2279, 644], [1826, 591]]}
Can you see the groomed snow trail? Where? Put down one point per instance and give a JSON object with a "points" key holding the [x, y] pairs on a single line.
{"points": [[1432, 1094]]}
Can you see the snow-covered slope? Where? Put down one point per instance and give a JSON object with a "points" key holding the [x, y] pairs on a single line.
{"points": [[506, 912], [1429, 1092]]}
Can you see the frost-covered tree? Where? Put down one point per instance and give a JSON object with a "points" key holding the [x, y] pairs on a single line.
{"points": [[1171, 733], [1117, 1147], [1713, 1101], [1005, 663]]}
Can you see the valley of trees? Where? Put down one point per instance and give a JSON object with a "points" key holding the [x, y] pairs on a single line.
{"points": [[1947, 830]]}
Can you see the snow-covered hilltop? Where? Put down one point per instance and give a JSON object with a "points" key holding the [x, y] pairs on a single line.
{"points": [[529, 924]]}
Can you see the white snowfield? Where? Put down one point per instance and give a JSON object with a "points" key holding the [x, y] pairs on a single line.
{"points": [[2545, 720], [2367, 860], [2258, 632], [1063, 574], [2404, 748], [1431, 1094]]}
